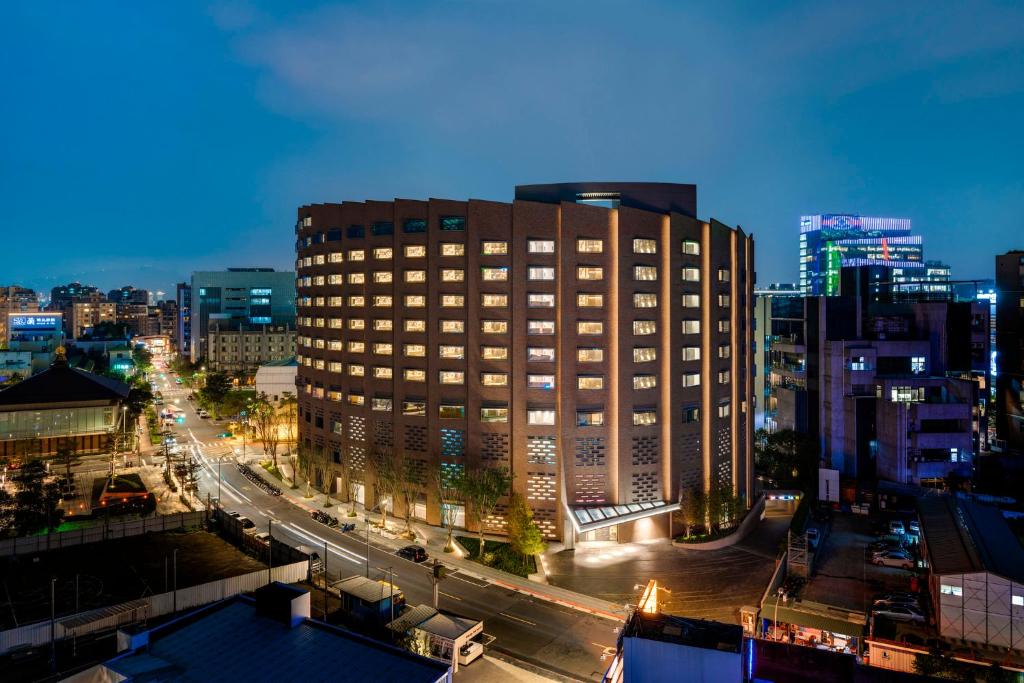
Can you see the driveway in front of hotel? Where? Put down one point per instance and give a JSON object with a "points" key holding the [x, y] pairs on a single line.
{"points": [[708, 584]]}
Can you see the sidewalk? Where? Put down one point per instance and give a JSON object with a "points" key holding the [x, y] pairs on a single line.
{"points": [[433, 538]]}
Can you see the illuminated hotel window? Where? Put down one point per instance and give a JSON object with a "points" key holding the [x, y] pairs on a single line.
{"points": [[540, 381], [383, 253], [336, 257], [691, 414], [589, 327], [644, 382], [645, 273], [382, 405], [451, 411], [453, 301], [723, 274], [335, 301], [644, 354], [357, 278], [723, 376], [724, 326], [691, 353], [590, 382], [691, 274], [724, 351], [494, 379], [493, 414], [356, 370], [590, 300], [493, 326], [383, 276], [540, 300], [356, 346], [589, 273], [334, 345], [415, 251], [723, 410], [415, 300], [382, 300], [383, 324], [413, 408], [488, 248], [645, 300], [494, 300], [691, 247], [723, 300], [334, 323], [383, 348], [645, 417], [356, 301], [318, 343], [591, 355], [589, 246], [414, 375], [318, 364], [540, 273], [540, 354], [490, 274], [540, 327], [383, 372], [451, 377], [318, 259], [452, 275], [453, 327], [589, 418], [540, 417], [691, 301], [415, 276], [356, 255], [691, 327], [334, 279], [540, 246], [451, 351], [644, 327], [452, 249], [414, 325], [414, 350], [691, 379], [494, 352], [356, 324], [319, 322], [334, 366], [643, 245], [318, 280]]}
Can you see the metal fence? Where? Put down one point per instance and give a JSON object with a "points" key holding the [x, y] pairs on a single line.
{"points": [[108, 618], [99, 532]]}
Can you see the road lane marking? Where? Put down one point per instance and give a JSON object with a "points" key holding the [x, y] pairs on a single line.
{"points": [[509, 616], [318, 542], [449, 595]]}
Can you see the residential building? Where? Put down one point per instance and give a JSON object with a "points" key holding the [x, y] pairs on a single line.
{"points": [[590, 337], [15, 299], [271, 637], [892, 383], [129, 295], [763, 340], [137, 318], [82, 316], [167, 313], [829, 242], [975, 572], [63, 295], [254, 296], [183, 326], [58, 405], [241, 348], [1010, 350]]}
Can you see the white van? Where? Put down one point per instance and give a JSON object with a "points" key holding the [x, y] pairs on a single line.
{"points": [[469, 652]]}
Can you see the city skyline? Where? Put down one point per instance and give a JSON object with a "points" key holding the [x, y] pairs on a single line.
{"points": [[215, 145]]}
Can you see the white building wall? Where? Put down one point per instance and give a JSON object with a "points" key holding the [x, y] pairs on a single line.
{"points": [[982, 608]]}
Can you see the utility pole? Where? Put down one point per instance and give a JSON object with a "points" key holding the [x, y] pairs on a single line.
{"points": [[391, 584], [325, 582], [366, 516]]}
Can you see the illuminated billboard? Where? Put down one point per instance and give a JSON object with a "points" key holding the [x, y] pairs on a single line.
{"points": [[28, 322]]}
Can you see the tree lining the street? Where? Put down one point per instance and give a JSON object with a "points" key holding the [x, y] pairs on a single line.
{"points": [[446, 485], [481, 489], [263, 416], [524, 535]]}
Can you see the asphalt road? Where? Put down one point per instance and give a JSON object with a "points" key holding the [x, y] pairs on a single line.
{"points": [[545, 634]]}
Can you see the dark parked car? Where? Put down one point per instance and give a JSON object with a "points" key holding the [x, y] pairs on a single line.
{"points": [[414, 553]]}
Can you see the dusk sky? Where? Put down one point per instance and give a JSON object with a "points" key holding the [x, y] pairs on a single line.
{"points": [[142, 141]]}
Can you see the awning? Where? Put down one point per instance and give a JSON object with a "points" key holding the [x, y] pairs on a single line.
{"points": [[845, 623], [590, 517]]}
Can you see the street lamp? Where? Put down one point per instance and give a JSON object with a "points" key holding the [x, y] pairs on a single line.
{"points": [[366, 517]]}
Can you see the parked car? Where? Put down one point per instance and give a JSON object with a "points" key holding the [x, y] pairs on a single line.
{"points": [[413, 553], [896, 527], [901, 613], [896, 602], [893, 559], [897, 595], [263, 537], [884, 545], [203, 413], [914, 526], [246, 523]]}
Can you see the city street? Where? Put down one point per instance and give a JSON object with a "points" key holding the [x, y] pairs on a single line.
{"points": [[545, 634]]}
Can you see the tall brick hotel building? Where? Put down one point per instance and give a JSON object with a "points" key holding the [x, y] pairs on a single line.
{"points": [[594, 338]]}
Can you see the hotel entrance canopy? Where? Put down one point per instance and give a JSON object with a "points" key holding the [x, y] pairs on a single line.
{"points": [[590, 517]]}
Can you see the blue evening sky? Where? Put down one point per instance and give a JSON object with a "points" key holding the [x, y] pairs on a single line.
{"points": [[144, 140]]}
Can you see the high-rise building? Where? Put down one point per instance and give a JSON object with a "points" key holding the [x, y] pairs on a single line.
{"points": [[1010, 350], [80, 316], [765, 307], [592, 338], [167, 311], [63, 295], [15, 299], [254, 296], [183, 301], [828, 242], [129, 295]]}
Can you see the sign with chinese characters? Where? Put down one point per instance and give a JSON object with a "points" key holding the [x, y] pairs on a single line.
{"points": [[34, 322]]}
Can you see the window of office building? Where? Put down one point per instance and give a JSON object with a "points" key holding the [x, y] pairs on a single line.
{"points": [[644, 354], [643, 417], [691, 379], [644, 245], [691, 247], [357, 278], [540, 416], [336, 257], [415, 251], [644, 327], [589, 418], [334, 345], [382, 372], [452, 275], [494, 300], [691, 353], [334, 366], [453, 326], [414, 350], [645, 382], [494, 379], [356, 255], [540, 300], [414, 325], [414, 408], [540, 273], [356, 324], [415, 300], [492, 248], [356, 370], [589, 246], [540, 246], [691, 274], [451, 411], [540, 381], [540, 354], [451, 351], [494, 414], [452, 249], [691, 327], [334, 323], [383, 253], [645, 300], [356, 399], [383, 348], [540, 327], [333, 279], [414, 375], [645, 273], [589, 355], [494, 274], [451, 377], [382, 405], [382, 300], [382, 276], [383, 324], [453, 301], [590, 381], [589, 327], [589, 273], [356, 346], [494, 352], [334, 301], [493, 326], [415, 276], [590, 300]]}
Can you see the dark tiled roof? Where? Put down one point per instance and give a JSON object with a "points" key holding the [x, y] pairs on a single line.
{"points": [[62, 384], [962, 537]]}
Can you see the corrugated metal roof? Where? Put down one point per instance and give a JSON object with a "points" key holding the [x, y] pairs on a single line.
{"points": [[962, 537], [413, 616], [365, 589]]}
